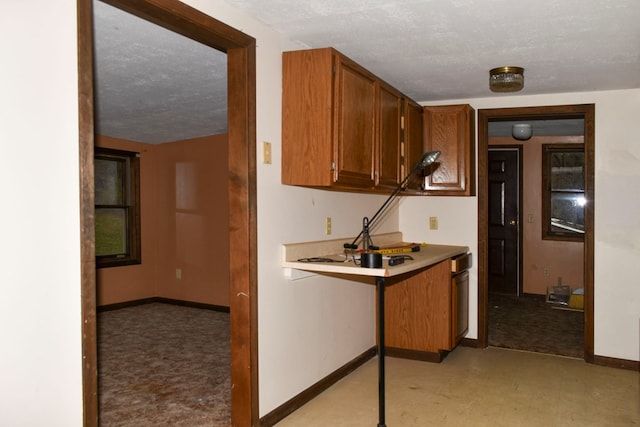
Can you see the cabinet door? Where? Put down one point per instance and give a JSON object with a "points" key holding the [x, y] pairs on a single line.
{"points": [[307, 117], [354, 149], [413, 144], [450, 129], [418, 310], [390, 116], [459, 307]]}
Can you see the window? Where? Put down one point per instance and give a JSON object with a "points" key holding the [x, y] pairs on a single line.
{"points": [[563, 192], [117, 207]]}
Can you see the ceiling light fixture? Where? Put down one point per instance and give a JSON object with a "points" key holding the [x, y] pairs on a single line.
{"points": [[506, 79], [521, 131]]}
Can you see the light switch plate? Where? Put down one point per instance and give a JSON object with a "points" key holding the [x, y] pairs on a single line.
{"points": [[266, 153]]}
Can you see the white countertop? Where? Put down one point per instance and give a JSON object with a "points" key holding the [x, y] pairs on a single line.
{"points": [[332, 249]]}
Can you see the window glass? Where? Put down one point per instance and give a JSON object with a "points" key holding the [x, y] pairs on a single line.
{"points": [[117, 208], [109, 181], [563, 191], [111, 231]]}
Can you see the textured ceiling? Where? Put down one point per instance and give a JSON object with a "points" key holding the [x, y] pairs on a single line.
{"points": [[154, 85], [429, 49]]}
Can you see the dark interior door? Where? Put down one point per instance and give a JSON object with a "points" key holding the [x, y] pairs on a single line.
{"points": [[503, 257]]}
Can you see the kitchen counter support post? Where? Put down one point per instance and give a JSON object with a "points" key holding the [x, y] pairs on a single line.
{"points": [[380, 282]]}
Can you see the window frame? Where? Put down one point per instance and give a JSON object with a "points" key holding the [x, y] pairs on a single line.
{"points": [[131, 197], [547, 232]]}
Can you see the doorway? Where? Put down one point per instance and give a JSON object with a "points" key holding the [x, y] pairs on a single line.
{"points": [[584, 112], [240, 50]]}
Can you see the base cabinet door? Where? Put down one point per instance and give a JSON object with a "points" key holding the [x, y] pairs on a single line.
{"points": [[426, 315], [418, 313], [459, 307]]}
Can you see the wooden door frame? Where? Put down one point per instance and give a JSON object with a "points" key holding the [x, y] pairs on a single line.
{"points": [[519, 151], [582, 111], [241, 71]]}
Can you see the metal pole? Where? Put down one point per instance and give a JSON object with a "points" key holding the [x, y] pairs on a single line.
{"points": [[380, 281]]}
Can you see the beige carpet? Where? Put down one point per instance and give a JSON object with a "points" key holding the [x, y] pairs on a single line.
{"points": [[164, 365]]}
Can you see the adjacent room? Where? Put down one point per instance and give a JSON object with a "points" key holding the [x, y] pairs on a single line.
{"points": [[523, 313], [162, 242]]}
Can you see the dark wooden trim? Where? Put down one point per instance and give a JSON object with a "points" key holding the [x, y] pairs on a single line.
{"points": [[589, 254], [161, 300], [316, 389], [483, 229], [243, 243], [612, 362], [426, 356], [469, 342], [241, 51], [183, 19], [581, 111], [87, 220]]}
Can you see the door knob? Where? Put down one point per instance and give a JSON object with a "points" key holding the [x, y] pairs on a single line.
{"points": [[512, 222]]}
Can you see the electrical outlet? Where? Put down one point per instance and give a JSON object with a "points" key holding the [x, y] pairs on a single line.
{"points": [[327, 225], [178, 273], [546, 272], [266, 153], [433, 223]]}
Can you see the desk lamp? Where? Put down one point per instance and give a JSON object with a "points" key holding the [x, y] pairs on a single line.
{"points": [[369, 259]]}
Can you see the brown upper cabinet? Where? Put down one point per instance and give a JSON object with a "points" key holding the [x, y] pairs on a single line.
{"points": [[342, 127], [391, 108], [413, 144], [355, 118], [451, 129]]}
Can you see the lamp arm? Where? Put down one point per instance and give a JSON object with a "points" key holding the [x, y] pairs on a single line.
{"points": [[393, 195], [371, 222], [367, 223]]}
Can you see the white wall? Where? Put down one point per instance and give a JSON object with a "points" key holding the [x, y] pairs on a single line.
{"points": [[40, 360], [307, 328], [617, 223]]}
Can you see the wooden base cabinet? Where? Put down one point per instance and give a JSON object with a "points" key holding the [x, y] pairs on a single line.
{"points": [[426, 315]]}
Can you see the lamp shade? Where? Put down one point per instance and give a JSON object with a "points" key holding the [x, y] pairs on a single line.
{"points": [[428, 158], [506, 79]]}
